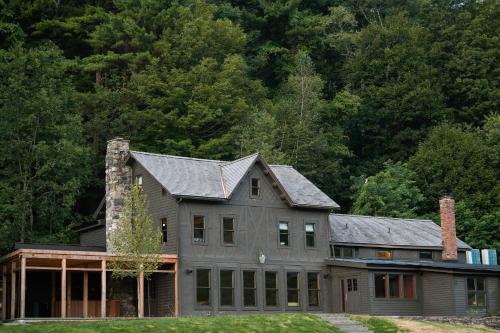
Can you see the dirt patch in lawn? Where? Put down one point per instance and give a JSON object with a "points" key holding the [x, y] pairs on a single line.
{"points": [[412, 326]]}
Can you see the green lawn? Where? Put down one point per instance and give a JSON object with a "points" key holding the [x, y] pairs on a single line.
{"points": [[231, 324], [376, 324]]}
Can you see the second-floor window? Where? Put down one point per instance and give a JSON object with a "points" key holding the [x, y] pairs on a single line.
{"points": [[255, 187], [163, 223], [228, 230], [310, 235], [199, 229], [425, 255], [284, 234]]}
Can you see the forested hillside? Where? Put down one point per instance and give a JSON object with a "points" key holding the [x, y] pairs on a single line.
{"points": [[386, 105]]}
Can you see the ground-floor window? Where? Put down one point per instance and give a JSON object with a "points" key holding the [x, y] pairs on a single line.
{"points": [[272, 291], [395, 285], [203, 285], [476, 294], [226, 288], [313, 289], [249, 289], [293, 290]]}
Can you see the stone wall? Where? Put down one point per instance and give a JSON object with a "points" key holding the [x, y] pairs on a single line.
{"points": [[118, 180]]}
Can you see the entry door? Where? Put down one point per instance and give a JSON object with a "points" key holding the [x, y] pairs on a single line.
{"points": [[351, 295]]}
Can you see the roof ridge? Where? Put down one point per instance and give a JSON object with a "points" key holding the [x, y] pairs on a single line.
{"points": [[281, 165], [237, 160], [178, 157], [386, 217]]}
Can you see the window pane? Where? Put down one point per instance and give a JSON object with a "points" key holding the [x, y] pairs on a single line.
{"points": [[283, 226], [354, 284], [249, 279], [337, 251], [310, 240], [199, 222], [393, 285], [272, 297], [199, 235], [313, 296], [384, 254], [203, 278], [309, 227], [471, 284], [481, 299], [480, 283], [292, 283], [249, 297], [226, 279], [312, 280], [255, 187], [471, 299], [408, 286], [226, 297], [292, 280], [425, 254], [380, 285], [271, 280], [228, 237], [199, 228], [349, 285], [284, 239], [347, 252], [203, 287], [313, 288]]}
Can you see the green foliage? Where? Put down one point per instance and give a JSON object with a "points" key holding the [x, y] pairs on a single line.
{"points": [[391, 192], [44, 162], [135, 237]]}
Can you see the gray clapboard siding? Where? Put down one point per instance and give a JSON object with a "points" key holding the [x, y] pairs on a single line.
{"points": [[160, 205], [493, 293], [339, 273], [438, 294]]}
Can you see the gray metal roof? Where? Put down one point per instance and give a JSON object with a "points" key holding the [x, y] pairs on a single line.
{"points": [[217, 180], [415, 264], [386, 231]]}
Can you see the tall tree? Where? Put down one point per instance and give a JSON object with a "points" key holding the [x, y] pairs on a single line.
{"points": [[44, 161], [391, 192]]}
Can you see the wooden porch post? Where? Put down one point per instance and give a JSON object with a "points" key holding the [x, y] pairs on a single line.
{"points": [[176, 287], [4, 292], [13, 291], [22, 310], [85, 294], [68, 294], [103, 288], [63, 288], [140, 294]]}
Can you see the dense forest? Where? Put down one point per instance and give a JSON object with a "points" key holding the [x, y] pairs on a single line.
{"points": [[386, 105]]}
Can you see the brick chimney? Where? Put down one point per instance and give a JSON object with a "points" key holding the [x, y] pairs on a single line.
{"points": [[118, 180], [448, 229]]}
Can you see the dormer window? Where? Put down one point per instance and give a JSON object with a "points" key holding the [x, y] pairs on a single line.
{"points": [[255, 188]]}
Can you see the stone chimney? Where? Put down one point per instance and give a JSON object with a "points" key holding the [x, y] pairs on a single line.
{"points": [[118, 180], [448, 229]]}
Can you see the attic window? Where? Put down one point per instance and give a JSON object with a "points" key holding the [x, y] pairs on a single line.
{"points": [[138, 180], [384, 254], [425, 255], [255, 187]]}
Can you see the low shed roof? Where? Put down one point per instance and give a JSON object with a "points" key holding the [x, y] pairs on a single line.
{"points": [[217, 180], [415, 265], [386, 231]]}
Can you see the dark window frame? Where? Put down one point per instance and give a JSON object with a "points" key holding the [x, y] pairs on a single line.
{"points": [[476, 292], [288, 233], [258, 187], [297, 290], [232, 288], [315, 290], [234, 230], [254, 289], [209, 287], [164, 229], [205, 236], [314, 224], [425, 257], [276, 290]]}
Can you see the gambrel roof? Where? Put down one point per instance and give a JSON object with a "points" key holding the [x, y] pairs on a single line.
{"points": [[386, 231], [196, 178]]}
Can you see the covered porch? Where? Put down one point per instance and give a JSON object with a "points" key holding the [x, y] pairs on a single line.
{"points": [[53, 283]]}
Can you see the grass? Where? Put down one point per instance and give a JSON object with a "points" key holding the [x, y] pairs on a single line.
{"points": [[377, 324], [299, 323]]}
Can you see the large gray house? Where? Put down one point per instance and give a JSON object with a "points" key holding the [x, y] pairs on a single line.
{"points": [[243, 237]]}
